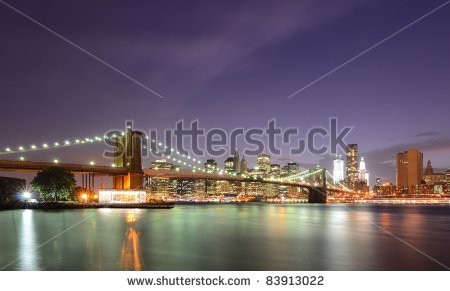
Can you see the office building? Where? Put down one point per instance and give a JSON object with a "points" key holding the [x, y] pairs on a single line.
{"points": [[243, 167], [211, 166], [432, 178], [263, 163], [409, 168], [229, 166], [352, 170]]}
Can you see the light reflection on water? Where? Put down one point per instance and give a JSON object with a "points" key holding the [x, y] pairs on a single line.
{"points": [[131, 255], [228, 237], [27, 242]]}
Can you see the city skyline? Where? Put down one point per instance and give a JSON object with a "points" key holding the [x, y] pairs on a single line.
{"points": [[242, 138], [253, 66]]}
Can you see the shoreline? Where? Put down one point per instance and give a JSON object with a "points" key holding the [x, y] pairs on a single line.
{"points": [[75, 205]]}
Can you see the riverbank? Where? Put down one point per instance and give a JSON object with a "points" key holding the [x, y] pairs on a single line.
{"points": [[75, 205]]}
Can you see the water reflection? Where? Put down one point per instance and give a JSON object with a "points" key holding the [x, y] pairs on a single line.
{"points": [[27, 242], [131, 254], [228, 237]]}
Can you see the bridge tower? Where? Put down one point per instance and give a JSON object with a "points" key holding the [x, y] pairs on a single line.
{"points": [[319, 194], [128, 154]]}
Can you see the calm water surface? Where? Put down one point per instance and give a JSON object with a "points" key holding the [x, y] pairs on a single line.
{"points": [[228, 237]]}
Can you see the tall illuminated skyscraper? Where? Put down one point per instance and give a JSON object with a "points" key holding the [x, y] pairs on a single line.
{"points": [[338, 169], [211, 166], [229, 166], [362, 169], [352, 173], [263, 163]]}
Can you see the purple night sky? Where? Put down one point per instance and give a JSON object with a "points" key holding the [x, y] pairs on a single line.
{"points": [[229, 64]]}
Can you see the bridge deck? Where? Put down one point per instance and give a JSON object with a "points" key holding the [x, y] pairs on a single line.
{"points": [[31, 166]]}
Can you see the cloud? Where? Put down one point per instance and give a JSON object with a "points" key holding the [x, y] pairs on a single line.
{"points": [[427, 134]]}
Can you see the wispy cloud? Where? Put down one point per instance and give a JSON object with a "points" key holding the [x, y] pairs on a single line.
{"points": [[427, 134]]}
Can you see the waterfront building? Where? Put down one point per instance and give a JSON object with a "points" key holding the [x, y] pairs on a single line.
{"points": [[431, 177], [223, 187], [184, 187], [352, 170], [210, 187], [122, 196], [199, 188], [158, 186], [409, 168]]}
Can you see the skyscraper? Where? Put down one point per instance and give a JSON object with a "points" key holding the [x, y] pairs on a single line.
{"points": [[263, 163], [211, 166], [409, 168], [237, 164], [293, 168], [429, 168], [243, 167], [159, 186], [275, 171], [338, 169], [229, 166], [362, 169], [352, 171], [209, 186]]}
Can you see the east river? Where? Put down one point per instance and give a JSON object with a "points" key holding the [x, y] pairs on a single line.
{"points": [[249, 236]]}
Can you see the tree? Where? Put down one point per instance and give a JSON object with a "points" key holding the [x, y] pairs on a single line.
{"points": [[54, 183]]}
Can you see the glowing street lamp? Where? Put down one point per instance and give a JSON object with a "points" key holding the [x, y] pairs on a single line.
{"points": [[84, 197], [26, 195]]}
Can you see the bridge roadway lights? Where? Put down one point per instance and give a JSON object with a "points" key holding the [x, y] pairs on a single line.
{"points": [[317, 195]]}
